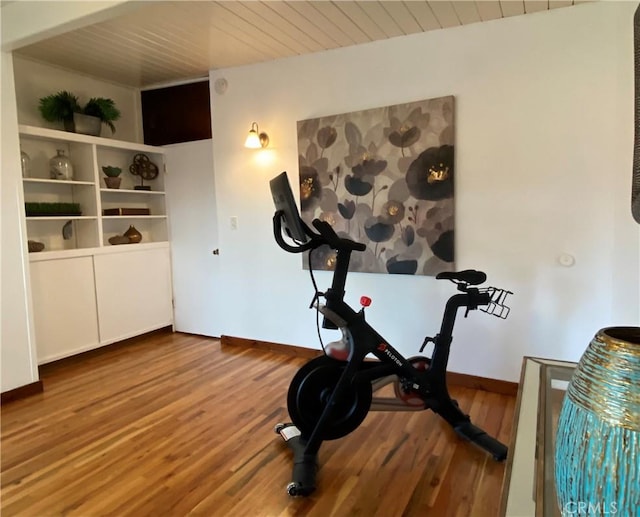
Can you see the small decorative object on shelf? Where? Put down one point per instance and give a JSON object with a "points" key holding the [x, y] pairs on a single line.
{"points": [[597, 453], [67, 230], [25, 164], [126, 211], [112, 180], [133, 235], [119, 239], [35, 246], [142, 166], [51, 209], [60, 167], [88, 119]]}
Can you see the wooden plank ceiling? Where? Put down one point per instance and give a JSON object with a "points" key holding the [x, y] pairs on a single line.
{"points": [[163, 42]]}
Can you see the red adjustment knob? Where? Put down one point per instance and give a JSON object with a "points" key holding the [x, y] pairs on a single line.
{"points": [[365, 301]]}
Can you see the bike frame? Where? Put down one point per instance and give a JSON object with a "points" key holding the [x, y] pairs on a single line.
{"points": [[430, 383]]}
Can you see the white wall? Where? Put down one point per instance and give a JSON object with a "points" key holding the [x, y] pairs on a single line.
{"points": [[35, 80], [544, 111], [17, 350]]}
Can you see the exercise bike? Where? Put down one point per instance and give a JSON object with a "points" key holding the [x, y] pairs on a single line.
{"points": [[330, 395]]}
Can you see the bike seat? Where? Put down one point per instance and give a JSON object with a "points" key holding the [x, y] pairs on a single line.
{"points": [[468, 276]]}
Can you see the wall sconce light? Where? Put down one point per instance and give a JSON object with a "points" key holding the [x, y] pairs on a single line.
{"points": [[255, 139]]}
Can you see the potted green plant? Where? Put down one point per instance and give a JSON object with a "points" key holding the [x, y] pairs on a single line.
{"points": [[88, 119], [112, 174], [59, 107], [104, 110]]}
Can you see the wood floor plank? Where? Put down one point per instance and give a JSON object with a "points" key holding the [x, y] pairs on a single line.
{"points": [[173, 424]]}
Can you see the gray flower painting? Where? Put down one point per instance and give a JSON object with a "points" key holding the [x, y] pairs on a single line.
{"points": [[383, 177]]}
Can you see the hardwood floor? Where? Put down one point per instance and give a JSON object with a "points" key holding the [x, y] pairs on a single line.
{"points": [[173, 425]]}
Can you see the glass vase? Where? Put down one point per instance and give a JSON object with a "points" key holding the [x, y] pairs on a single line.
{"points": [[25, 164], [60, 167]]}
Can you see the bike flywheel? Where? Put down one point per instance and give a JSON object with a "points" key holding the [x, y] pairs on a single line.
{"points": [[310, 391]]}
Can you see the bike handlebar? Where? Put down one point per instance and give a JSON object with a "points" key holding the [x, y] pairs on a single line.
{"points": [[277, 233], [334, 240], [325, 235]]}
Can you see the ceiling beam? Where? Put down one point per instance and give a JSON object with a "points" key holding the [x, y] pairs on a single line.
{"points": [[24, 23]]}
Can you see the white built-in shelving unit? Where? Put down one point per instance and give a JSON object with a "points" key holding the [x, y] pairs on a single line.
{"points": [[86, 292]]}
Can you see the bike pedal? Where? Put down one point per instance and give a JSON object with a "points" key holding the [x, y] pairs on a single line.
{"points": [[287, 431]]}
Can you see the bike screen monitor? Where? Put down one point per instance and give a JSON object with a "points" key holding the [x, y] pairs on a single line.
{"points": [[286, 204]]}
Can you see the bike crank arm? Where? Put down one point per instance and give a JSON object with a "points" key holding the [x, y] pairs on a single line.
{"points": [[382, 382], [389, 403]]}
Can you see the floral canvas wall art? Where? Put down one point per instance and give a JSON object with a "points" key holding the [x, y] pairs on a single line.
{"points": [[383, 177]]}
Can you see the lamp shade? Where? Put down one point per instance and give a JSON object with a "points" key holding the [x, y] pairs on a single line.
{"points": [[255, 139]]}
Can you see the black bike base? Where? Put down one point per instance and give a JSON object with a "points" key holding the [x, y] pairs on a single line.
{"points": [[474, 434], [305, 464]]}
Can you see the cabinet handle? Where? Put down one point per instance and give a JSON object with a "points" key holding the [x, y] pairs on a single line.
{"points": [[216, 251]]}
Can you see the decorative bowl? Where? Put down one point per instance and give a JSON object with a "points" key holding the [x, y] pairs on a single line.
{"points": [[35, 246], [119, 239]]}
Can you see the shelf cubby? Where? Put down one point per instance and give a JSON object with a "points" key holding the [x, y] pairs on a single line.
{"points": [[88, 154]]}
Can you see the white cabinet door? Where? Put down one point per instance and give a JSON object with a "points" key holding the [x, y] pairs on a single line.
{"points": [[191, 200], [133, 290], [64, 305]]}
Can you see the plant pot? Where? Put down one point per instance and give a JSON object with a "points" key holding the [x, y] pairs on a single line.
{"points": [[87, 125], [112, 182], [597, 451]]}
